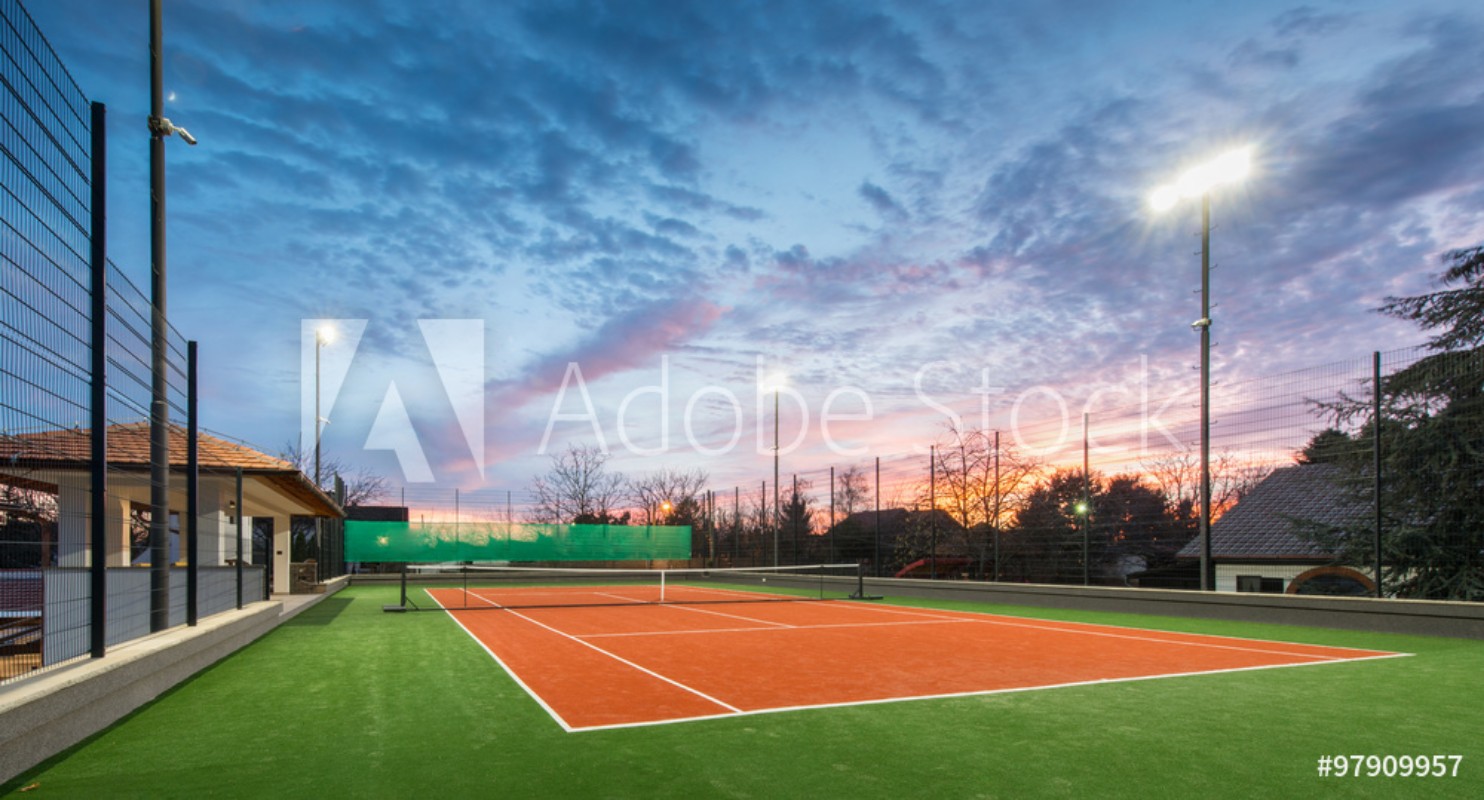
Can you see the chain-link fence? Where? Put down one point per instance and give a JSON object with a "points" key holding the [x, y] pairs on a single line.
{"points": [[80, 568], [1307, 493]]}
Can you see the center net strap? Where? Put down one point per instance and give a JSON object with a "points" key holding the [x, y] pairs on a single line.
{"points": [[496, 587]]}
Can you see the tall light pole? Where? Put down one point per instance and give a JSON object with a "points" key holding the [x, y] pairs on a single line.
{"points": [[159, 412], [1198, 181], [777, 382], [777, 509], [323, 335]]}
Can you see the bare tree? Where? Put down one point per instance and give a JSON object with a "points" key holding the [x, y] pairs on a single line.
{"points": [[852, 491], [661, 494], [1178, 477], [1233, 478], [28, 527], [577, 485], [979, 481], [362, 486]]}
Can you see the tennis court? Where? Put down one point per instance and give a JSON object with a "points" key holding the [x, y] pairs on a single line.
{"points": [[600, 656]]}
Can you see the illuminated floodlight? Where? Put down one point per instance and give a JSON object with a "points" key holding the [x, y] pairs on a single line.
{"points": [[1230, 167], [1164, 198], [325, 333]]}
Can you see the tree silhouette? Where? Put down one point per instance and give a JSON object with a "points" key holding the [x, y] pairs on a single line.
{"points": [[1432, 448]]}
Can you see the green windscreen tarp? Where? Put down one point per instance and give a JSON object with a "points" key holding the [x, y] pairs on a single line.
{"points": [[499, 541]]}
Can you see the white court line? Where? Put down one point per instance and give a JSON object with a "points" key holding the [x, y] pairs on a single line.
{"points": [[729, 616], [1014, 622], [821, 626], [508, 671], [1052, 626], [627, 600], [996, 620], [942, 617], [467, 593], [951, 695], [628, 663]]}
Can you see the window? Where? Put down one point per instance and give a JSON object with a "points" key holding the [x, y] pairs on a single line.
{"points": [[1258, 583]]}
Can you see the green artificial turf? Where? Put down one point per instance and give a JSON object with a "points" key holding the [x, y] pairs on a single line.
{"points": [[348, 701]]}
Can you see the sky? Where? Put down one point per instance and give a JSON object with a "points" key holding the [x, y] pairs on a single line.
{"points": [[614, 224]]}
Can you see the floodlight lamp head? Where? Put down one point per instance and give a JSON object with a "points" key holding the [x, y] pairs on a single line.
{"points": [[325, 334], [1203, 322], [1230, 167], [1164, 198]]}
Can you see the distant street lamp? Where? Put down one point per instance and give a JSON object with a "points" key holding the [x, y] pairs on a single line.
{"points": [[1231, 167], [323, 335], [776, 381]]}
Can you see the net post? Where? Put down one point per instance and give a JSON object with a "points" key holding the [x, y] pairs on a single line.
{"points": [[860, 585], [402, 599], [662, 585]]}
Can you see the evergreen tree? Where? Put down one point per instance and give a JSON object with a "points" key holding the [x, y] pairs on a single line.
{"points": [[1432, 445]]}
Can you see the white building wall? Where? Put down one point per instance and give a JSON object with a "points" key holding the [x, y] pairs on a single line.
{"points": [[75, 523], [1226, 574], [281, 544]]}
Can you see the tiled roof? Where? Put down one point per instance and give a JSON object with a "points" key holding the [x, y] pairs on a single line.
{"points": [[895, 520], [128, 450], [129, 445], [1266, 523]]}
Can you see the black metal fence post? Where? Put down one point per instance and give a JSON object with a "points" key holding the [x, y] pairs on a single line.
{"points": [[1376, 456], [193, 492], [240, 519], [98, 412]]}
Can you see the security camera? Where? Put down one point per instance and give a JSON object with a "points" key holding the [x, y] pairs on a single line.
{"points": [[1203, 322], [164, 127]]}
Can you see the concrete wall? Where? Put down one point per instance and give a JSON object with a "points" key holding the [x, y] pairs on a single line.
{"points": [[44, 715], [1424, 617]]}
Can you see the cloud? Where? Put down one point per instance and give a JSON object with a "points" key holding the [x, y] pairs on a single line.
{"points": [[882, 201], [622, 342], [606, 182]]}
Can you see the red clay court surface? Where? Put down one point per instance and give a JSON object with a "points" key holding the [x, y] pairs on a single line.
{"points": [[620, 666]]}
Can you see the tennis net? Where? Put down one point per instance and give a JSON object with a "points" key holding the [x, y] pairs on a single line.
{"points": [[497, 587]]}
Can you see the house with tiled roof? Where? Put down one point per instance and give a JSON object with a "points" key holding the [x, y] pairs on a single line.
{"points": [[1259, 544], [59, 462]]}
